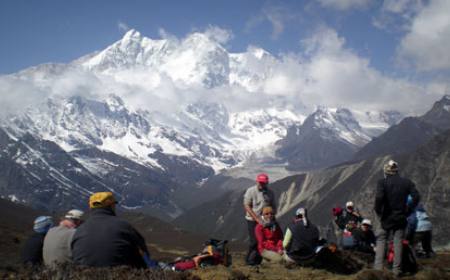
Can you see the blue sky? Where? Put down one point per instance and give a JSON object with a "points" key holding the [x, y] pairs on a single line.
{"points": [[372, 54], [35, 32]]}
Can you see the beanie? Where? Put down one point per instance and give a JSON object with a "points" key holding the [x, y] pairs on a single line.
{"points": [[42, 224], [390, 168]]}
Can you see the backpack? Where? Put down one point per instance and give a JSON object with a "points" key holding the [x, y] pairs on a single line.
{"points": [[348, 240], [218, 251], [215, 252]]}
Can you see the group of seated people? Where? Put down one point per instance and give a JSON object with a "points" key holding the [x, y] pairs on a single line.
{"points": [[105, 240], [301, 240], [102, 240]]}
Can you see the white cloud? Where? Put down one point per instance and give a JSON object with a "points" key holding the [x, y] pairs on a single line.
{"points": [[322, 72], [123, 27], [336, 76], [218, 34], [426, 44], [343, 5], [277, 16], [396, 15]]}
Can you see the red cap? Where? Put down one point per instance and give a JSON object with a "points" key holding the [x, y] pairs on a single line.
{"points": [[262, 178]]}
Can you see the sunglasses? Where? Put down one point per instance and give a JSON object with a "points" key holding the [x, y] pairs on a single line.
{"points": [[267, 214]]}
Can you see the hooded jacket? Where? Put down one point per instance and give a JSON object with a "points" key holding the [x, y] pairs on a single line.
{"points": [[391, 201], [105, 240]]}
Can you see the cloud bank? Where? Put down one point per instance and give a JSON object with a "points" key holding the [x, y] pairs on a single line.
{"points": [[323, 71]]}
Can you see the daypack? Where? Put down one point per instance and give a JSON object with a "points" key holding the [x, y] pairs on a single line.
{"points": [[409, 262], [215, 252], [348, 240]]}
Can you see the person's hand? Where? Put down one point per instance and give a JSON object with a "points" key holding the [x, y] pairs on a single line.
{"points": [[281, 252]]}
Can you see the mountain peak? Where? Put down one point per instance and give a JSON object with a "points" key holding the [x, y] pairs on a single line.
{"points": [[132, 34]]}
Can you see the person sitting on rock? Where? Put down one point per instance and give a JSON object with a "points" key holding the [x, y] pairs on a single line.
{"points": [[32, 251], [301, 239], [104, 240], [269, 236], [57, 241], [365, 238]]}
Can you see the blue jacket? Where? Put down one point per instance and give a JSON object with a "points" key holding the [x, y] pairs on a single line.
{"points": [[423, 221]]}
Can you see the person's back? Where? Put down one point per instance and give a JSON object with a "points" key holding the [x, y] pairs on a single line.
{"points": [[391, 205], [32, 251], [57, 242], [57, 245], [305, 239], [105, 240], [392, 209]]}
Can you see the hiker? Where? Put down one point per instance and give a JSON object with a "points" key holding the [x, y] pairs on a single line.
{"points": [[343, 217], [346, 219], [32, 251], [423, 232], [301, 239], [269, 236], [105, 240], [255, 199], [57, 241], [365, 238], [391, 208]]}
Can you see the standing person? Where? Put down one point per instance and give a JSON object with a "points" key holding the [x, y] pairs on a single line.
{"points": [[105, 240], [391, 208], [269, 236], [301, 239], [32, 251], [57, 241], [255, 199]]}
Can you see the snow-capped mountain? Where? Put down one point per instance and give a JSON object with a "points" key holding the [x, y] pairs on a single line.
{"points": [[132, 104], [326, 137]]}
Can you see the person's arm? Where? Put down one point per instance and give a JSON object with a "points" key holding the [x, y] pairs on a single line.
{"points": [[259, 237], [379, 198], [287, 238]]}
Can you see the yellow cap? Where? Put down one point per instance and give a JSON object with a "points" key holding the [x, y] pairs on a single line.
{"points": [[101, 200]]}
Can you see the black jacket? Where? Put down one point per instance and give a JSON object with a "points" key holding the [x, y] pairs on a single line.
{"points": [[304, 241], [343, 219], [364, 240], [105, 240], [32, 250], [390, 201]]}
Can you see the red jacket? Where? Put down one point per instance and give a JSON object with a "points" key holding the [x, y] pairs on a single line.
{"points": [[269, 239]]}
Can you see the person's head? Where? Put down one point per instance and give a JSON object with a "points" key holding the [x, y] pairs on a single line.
{"points": [[301, 214], [349, 206], [268, 213], [262, 180], [42, 224], [390, 168], [102, 200], [366, 224], [75, 216]]}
